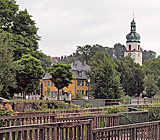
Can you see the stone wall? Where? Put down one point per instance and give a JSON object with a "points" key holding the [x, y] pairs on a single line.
{"points": [[22, 106]]}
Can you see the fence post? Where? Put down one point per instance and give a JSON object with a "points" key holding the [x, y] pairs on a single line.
{"points": [[90, 134], [158, 131]]}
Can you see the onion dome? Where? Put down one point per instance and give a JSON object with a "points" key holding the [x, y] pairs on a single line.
{"points": [[133, 36]]}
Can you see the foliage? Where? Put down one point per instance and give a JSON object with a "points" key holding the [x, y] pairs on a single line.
{"points": [[29, 74], [45, 62], [126, 99], [78, 95], [150, 85], [116, 109], [61, 75], [85, 53], [105, 82], [118, 51], [6, 110], [146, 55], [20, 24], [7, 68], [48, 90], [89, 105], [131, 76], [152, 67], [51, 106]]}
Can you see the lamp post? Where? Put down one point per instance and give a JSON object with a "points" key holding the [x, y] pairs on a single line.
{"points": [[88, 87]]}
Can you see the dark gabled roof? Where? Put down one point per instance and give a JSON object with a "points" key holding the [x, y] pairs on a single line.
{"points": [[47, 76], [77, 67]]}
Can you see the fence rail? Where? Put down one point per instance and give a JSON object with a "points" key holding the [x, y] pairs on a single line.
{"points": [[51, 131], [146, 131], [81, 129], [99, 121]]}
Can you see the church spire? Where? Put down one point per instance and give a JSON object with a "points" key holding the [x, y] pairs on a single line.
{"points": [[133, 16]]}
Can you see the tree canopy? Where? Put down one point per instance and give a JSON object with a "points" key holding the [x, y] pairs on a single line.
{"points": [[131, 75], [7, 68], [105, 81], [29, 74], [61, 75]]}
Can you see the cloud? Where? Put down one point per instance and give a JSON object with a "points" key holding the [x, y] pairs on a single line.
{"points": [[64, 25]]}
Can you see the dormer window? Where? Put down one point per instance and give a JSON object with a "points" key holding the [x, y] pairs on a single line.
{"points": [[79, 73]]}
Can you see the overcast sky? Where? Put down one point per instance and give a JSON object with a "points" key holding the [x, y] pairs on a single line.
{"points": [[66, 24]]}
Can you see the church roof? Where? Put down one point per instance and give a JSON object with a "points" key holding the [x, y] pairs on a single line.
{"points": [[133, 36]]}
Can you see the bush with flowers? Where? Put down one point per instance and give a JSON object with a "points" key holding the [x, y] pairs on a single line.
{"points": [[6, 110]]}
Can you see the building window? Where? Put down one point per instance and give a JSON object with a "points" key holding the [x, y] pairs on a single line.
{"points": [[139, 47], [82, 92], [45, 92], [78, 83], [52, 93], [82, 83], [129, 47], [45, 83], [55, 92], [86, 82], [86, 92], [52, 83], [48, 83]]}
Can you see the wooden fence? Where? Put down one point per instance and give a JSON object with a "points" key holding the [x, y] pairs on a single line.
{"points": [[81, 130], [50, 131], [141, 131], [35, 118], [99, 121]]}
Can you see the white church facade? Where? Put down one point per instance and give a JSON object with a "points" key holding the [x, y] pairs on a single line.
{"points": [[133, 44]]}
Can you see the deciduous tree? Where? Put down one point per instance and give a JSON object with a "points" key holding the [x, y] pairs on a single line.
{"points": [[29, 74], [7, 68], [61, 75]]}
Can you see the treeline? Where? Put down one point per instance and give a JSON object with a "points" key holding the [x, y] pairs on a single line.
{"points": [[117, 51]]}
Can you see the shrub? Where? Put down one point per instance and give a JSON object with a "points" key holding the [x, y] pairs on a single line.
{"points": [[6, 110], [78, 95], [89, 105], [116, 109]]}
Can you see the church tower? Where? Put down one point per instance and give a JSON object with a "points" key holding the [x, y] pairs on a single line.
{"points": [[133, 44]]}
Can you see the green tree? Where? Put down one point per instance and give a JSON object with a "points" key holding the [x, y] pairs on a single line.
{"points": [[45, 62], [20, 24], [118, 52], [152, 67], [8, 9], [61, 75], [131, 76], [146, 55], [7, 68], [105, 81], [29, 74], [86, 52], [151, 87]]}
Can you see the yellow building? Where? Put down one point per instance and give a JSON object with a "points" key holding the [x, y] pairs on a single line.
{"points": [[78, 85]]}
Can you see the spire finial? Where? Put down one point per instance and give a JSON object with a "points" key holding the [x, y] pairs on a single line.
{"points": [[133, 15]]}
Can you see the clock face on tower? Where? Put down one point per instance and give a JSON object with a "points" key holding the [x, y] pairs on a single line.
{"points": [[129, 54]]}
